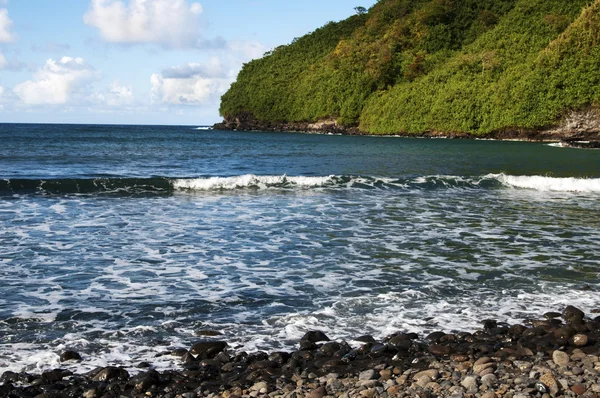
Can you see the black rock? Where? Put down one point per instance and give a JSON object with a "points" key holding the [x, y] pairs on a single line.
{"points": [[572, 314], [314, 336], [109, 373], [279, 357], [435, 336], [9, 376], [55, 375], [552, 315], [365, 339], [208, 349], [70, 356], [489, 324]]}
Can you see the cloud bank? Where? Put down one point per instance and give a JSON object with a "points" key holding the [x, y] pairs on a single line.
{"points": [[191, 84], [5, 23], [170, 23], [57, 82]]}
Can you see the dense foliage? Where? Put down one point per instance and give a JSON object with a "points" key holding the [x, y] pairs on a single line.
{"points": [[432, 65]]}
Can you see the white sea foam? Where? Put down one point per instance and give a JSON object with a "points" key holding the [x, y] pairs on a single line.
{"points": [[542, 183], [249, 180]]}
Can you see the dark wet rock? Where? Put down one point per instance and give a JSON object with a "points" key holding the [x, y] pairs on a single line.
{"points": [[517, 330], [55, 375], [331, 348], [489, 324], [441, 350], [70, 356], [435, 337], [207, 349], [9, 377], [378, 349], [262, 365], [365, 339], [552, 315], [572, 314], [109, 373], [279, 357], [314, 337], [188, 358]]}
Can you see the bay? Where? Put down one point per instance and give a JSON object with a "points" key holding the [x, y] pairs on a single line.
{"points": [[122, 242]]}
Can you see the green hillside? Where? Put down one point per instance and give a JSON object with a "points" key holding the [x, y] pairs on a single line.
{"points": [[414, 66]]}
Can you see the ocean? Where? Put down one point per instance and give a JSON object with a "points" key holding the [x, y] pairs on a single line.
{"points": [[126, 242]]}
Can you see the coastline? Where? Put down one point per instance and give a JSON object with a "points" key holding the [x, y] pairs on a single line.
{"points": [[554, 355], [579, 129]]}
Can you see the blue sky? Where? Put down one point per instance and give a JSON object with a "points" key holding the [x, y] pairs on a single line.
{"points": [[139, 61]]}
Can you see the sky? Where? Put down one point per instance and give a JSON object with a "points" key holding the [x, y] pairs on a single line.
{"points": [[140, 61]]}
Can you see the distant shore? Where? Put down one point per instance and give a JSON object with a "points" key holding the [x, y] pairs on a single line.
{"points": [[578, 130], [554, 355]]}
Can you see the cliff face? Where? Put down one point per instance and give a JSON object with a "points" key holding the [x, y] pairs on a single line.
{"points": [[525, 69]]}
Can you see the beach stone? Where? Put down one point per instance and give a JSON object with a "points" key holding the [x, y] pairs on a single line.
{"points": [[111, 373], [261, 385], [385, 374], [365, 339], [435, 337], [469, 382], [207, 348], [489, 380], [579, 340], [314, 336], [367, 375], [423, 381], [317, 393], [560, 358], [91, 393], [579, 389], [70, 356], [550, 382], [489, 394], [440, 350], [431, 373], [572, 314]]}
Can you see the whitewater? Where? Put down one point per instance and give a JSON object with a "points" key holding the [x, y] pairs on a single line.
{"points": [[126, 242]]}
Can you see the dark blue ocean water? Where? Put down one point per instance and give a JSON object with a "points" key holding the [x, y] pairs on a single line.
{"points": [[122, 242]]}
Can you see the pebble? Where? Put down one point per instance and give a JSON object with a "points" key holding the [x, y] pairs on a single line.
{"points": [[317, 393], [579, 389], [367, 375], [560, 358], [469, 382], [489, 380], [550, 382], [579, 340], [431, 373]]}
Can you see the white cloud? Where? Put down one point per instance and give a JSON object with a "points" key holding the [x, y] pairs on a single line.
{"points": [[191, 84], [57, 82], [1, 91], [5, 23], [171, 23], [115, 96], [3, 61]]}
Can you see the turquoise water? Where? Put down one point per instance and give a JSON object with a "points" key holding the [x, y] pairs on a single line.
{"points": [[122, 242]]}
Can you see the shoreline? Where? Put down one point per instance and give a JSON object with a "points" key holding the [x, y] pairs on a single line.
{"points": [[577, 130], [556, 354]]}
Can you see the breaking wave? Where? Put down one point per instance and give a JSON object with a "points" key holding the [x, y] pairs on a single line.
{"points": [[165, 185]]}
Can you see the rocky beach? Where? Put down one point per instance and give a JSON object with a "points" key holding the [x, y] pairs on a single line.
{"points": [[553, 356]]}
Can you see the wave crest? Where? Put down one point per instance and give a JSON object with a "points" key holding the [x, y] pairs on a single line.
{"points": [[250, 181], [541, 183]]}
